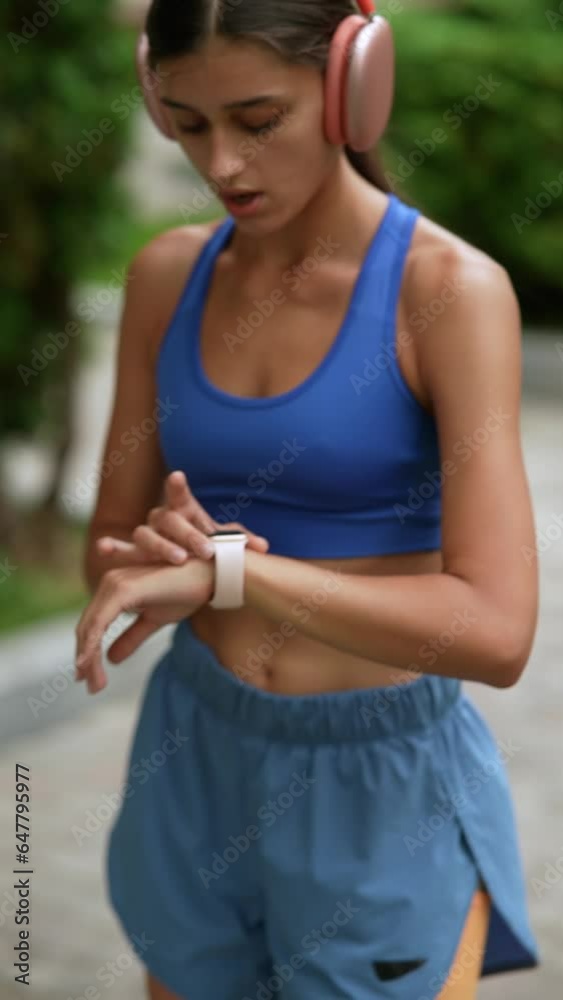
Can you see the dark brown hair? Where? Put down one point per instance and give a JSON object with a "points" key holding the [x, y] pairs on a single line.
{"points": [[300, 31]]}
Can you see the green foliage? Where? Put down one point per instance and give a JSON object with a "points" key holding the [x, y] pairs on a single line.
{"points": [[65, 68], [34, 593], [483, 180]]}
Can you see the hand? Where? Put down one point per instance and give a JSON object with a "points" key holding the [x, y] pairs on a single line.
{"points": [[159, 594], [173, 532]]}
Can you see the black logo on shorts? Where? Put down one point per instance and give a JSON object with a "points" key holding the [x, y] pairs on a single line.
{"points": [[393, 970]]}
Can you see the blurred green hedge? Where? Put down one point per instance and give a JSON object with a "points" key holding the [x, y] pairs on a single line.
{"points": [[494, 175], [65, 68]]}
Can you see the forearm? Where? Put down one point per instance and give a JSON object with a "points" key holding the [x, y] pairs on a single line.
{"points": [[434, 623]]}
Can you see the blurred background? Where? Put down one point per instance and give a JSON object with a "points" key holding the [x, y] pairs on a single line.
{"points": [[85, 182]]}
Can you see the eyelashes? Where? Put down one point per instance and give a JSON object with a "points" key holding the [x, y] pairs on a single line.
{"points": [[255, 129]]}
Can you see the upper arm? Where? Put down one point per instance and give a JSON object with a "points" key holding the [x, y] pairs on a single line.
{"points": [[134, 465], [470, 360]]}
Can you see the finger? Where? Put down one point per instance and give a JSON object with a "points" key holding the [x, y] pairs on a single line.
{"points": [[112, 597], [108, 544], [120, 552], [131, 639], [92, 671], [98, 677], [257, 542], [177, 491], [153, 516], [175, 527], [181, 498], [157, 546]]}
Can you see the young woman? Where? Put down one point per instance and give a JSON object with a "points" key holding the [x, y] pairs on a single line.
{"points": [[313, 807]]}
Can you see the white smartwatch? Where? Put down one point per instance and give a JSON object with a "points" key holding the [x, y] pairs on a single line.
{"points": [[229, 568]]}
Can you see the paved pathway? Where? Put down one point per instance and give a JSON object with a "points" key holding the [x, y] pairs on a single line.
{"points": [[80, 758]]}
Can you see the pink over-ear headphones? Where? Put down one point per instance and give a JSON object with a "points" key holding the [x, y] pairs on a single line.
{"points": [[359, 81]]}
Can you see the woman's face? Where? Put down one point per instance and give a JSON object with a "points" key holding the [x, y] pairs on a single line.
{"points": [[275, 145]]}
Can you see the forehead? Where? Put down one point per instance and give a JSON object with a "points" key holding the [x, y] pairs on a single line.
{"points": [[226, 70]]}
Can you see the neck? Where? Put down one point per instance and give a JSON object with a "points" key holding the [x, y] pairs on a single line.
{"points": [[343, 213]]}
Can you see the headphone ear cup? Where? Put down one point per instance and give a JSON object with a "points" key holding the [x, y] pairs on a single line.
{"points": [[336, 73], [153, 105], [370, 85], [360, 82]]}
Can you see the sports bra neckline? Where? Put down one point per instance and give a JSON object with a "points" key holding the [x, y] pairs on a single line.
{"points": [[216, 244]]}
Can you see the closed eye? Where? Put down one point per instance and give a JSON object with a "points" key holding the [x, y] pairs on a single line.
{"points": [[197, 129]]}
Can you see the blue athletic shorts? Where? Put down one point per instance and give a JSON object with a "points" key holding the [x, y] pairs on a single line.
{"points": [[311, 847]]}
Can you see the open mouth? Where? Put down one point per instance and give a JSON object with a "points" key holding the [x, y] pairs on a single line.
{"points": [[243, 199]]}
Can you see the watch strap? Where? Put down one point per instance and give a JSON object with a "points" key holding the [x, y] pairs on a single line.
{"points": [[229, 569]]}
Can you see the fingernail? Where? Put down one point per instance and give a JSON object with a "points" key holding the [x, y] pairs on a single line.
{"points": [[207, 550], [178, 555]]}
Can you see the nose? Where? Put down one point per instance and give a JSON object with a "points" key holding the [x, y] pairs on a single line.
{"points": [[225, 159]]}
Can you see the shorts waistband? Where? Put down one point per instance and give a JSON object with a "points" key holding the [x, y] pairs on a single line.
{"points": [[333, 716]]}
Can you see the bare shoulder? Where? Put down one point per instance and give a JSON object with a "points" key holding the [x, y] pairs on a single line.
{"points": [[161, 269], [447, 284]]}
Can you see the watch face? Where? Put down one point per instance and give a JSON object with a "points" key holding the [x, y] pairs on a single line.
{"points": [[228, 534]]}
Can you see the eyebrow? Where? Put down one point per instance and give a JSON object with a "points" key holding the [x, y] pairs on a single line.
{"points": [[248, 103]]}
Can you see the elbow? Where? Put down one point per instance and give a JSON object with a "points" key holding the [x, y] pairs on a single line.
{"points": [[510, 661]]}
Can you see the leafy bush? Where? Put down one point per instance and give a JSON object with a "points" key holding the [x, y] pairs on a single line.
{"points": [[68, 74], [64, 66], [494, 175]]}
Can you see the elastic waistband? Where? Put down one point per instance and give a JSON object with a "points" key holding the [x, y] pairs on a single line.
{"points": [[329, 717]]}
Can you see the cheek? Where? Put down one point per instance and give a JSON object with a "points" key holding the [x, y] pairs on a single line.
{"points": [[298, 151]]}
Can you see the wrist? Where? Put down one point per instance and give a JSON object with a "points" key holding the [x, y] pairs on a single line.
{"points": [[203, 570], [253, 563]]}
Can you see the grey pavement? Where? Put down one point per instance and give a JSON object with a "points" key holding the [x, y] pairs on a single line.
{"points": [[76, 746]]}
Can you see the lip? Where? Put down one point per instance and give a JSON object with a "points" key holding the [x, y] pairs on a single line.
{"points": [[237, 209], [235, 192]]}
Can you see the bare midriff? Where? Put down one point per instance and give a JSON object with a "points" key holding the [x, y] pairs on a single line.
{"points": [[301, 665]]}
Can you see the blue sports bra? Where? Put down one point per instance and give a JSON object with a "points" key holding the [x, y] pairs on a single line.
{"points": [[346, 463]]}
